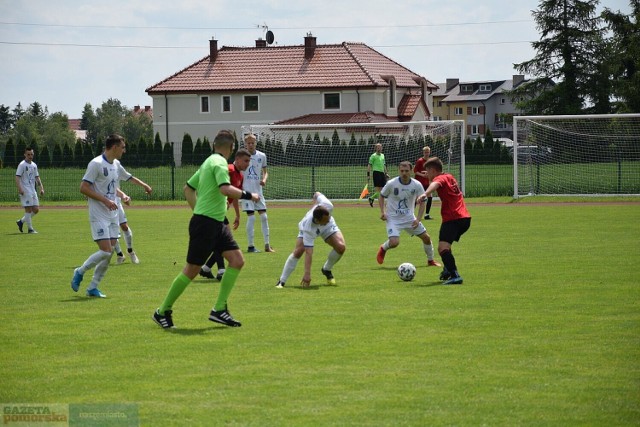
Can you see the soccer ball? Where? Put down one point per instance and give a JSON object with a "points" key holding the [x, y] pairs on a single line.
{"points": [[406, 271]]}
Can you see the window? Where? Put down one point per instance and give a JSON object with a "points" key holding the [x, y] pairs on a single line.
{"points": [[475, 111], [503, 101], [466, 88], [475, 130], [251, 103], [485, 88], [440, 103], [204, 104], [437, 118], [457, 111], [226, 104], [331, 101]]}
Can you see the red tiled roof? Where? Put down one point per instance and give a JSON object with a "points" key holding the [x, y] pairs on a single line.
{"points": [[409, 105], [285, 67], [74, 124], [336, 118]]}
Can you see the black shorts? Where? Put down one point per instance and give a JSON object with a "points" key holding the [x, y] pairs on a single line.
{"points": [[451, 231], [379, 179], [207, 235]]}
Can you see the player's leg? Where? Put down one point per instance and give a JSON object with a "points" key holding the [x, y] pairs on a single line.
{"points": [[427, 246], [251, 221], [393, 240], [428, 208], [449, 232], [104, 252], [235, 261], [291, 263], [100, 269], [264, 222], [336, 241]]}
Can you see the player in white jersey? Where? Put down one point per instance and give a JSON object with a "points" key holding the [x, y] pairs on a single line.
{"points": [[399, 195], [27, 177], [123, 175], [255, 177], [318, 222], [100, 185]]}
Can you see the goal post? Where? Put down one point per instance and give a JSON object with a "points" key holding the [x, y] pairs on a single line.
{"points": [[586, 155], [333, 158]]}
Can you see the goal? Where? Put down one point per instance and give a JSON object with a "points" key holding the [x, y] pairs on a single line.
{"points": [[576, 155], [332, 158]]}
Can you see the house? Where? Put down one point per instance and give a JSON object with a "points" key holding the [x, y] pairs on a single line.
{"points": [[333, 83], [74, 125], [482, 105]]}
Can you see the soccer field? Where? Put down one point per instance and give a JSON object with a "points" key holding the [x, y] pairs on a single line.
{"points": [[545, 329]]}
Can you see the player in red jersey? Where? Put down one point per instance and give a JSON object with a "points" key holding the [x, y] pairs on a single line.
{"points": [[421, 176], [240, 164], [455, 216]]}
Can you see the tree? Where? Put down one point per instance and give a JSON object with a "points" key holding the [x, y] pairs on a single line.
{"points": [[89, 122], [10, 155], [187, 150], [564, 65], [6, 120], [625, 55]]}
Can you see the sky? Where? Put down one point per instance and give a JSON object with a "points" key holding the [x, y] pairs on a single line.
{"points": [[65, 54]]}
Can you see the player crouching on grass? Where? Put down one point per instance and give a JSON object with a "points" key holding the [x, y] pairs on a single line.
{"points": [[317, 222], [455, 217], [397, 205]]}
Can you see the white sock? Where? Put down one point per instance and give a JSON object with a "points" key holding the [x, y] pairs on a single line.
{"points": [[251, 220], [428, 249], [385, 245], [94, 260], [332, 258], [206, 268], [128, 238], [27, 220], [98, 273], [265, 228], [289, 266], [117, 249]]}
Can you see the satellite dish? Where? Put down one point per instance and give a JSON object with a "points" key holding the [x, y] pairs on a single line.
{"points": [[270, 37]]}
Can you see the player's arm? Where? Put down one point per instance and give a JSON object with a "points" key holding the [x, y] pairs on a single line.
{"points": [[433, 186], [236, 209], [265, 176], [421, 209], [39, 182], [383, 214], [19, 185], [86, 188], [191, 195], [235, 193], [147, 187], [308, 258]]}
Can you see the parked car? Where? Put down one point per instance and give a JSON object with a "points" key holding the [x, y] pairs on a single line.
{"points": [[532, 153]]}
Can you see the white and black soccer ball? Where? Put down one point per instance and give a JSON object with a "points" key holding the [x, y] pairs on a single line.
{"points": [[406, 271]]}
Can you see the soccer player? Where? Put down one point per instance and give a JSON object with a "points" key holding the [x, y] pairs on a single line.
{"points": [[421, 176], [455, 217], [123, 175], [380, 172], [318, 222], [206, 192], [239, 165], [397, 205], [27, 177], [100, 185], [255, 177]]}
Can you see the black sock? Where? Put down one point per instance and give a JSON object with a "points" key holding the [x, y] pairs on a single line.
{"points": [[429, 201], [449, 262]]}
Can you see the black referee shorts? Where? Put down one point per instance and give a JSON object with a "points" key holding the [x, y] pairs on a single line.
{"points": [[207, 235]]}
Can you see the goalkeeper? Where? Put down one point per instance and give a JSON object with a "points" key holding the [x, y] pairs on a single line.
{"points": [[380, 172], [318, 221]]}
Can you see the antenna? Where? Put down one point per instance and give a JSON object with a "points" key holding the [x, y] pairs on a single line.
{"points": [[269, 37]]}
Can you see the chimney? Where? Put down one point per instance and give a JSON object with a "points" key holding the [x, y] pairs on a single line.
{"points": [[213, 50], [451, 83], [147, 108], [309, 46], [517, 79], [261, 43], [136, 108]]}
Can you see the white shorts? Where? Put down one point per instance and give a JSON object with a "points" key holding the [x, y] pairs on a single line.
{"points": [[394, 228], [250, 205], [122, 217], [324, 231], [105, 230], [29, 200]]}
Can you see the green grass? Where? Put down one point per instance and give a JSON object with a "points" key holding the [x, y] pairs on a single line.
{"points": [[544, 331]]}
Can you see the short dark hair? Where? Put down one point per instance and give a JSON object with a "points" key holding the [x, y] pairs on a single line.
{"points": [[320, 212], [28, 148], [224, 137], [112, 140], [243, 152], [435, 163]]}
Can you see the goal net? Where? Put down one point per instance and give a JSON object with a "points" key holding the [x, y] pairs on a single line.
{"points": [[576, 155], [333, 158]]}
